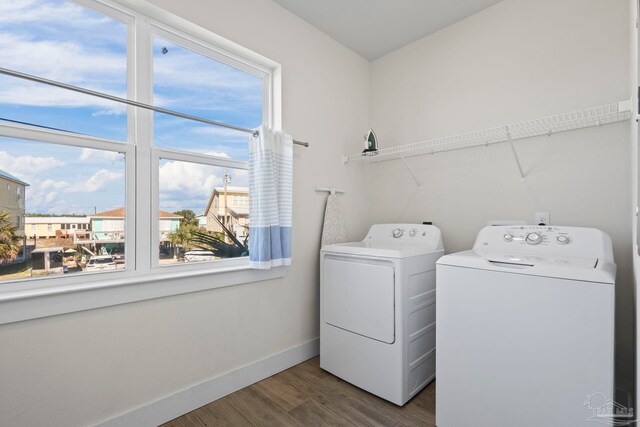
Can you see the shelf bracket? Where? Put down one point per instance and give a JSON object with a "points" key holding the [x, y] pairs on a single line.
{"points": [[415, 178], [523, 178]]}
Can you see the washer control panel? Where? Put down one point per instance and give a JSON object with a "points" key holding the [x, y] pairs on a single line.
{"points": [[543, 240], [536, 235], [532, 242]]}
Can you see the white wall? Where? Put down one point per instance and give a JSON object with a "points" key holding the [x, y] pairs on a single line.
{"points": [[517, 60], [81, 368]]}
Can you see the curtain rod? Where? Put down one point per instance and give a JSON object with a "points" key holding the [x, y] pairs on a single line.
{"points": [[132, 103]]}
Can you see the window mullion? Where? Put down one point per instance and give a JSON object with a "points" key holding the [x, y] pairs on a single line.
{"points": [[33, 133], [204, 159], [143, 89]]}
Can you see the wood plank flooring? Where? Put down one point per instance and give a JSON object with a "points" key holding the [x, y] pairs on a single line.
{"points": [[305, 395]]}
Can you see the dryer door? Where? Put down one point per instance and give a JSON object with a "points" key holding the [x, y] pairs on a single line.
{"points": [[358, 296]]}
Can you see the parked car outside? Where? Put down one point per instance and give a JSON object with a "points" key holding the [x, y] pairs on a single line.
{"points": [[194, 256], [117, 254], [101, 263]]}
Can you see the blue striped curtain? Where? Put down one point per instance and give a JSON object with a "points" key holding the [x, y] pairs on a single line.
{"points": [[270, 198]]}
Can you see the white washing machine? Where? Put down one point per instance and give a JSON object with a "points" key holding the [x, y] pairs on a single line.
{"points": [[377, 309], [525, 329]]}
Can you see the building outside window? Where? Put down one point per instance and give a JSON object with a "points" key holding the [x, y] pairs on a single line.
{"points": [[228, 208], [10, 204]]}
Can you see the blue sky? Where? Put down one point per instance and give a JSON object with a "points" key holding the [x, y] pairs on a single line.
{"points": [[63, 41]]}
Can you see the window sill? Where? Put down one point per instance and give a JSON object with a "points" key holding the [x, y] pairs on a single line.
{"points": [[36, 303]]}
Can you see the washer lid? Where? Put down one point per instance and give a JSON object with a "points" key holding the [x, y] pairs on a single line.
{"points": [[377, 248], [588, 269]]}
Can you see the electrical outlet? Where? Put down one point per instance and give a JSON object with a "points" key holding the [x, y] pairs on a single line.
{"points": [[541, 218]]}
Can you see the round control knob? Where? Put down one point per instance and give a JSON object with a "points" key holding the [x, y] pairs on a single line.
{"points": [[533, 238], [508, 237], [562, 240], [398, 232], [413, 232]]}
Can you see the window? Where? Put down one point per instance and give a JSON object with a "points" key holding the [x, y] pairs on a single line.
{"points": [[121, 167], [194, 161], [186, 189]]}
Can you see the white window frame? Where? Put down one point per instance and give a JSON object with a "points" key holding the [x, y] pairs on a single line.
{"points": [[157, 29], [143, 278]]}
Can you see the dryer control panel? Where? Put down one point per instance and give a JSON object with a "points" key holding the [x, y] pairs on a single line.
{"points": [[403, 233], [535, 239], [427, 236]]}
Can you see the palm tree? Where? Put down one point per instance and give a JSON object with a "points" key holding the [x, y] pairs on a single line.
{"points": [[182, 236], [189, 217], [219, 247], [215, 243], [8, 239]]}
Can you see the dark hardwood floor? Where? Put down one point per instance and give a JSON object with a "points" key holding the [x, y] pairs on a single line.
{"points": [[305, 395]]}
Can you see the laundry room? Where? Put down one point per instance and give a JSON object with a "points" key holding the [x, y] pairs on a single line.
{"points": [[289, 212]]}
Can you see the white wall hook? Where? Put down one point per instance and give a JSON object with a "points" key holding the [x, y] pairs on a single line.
{"points": [[330, 190]]}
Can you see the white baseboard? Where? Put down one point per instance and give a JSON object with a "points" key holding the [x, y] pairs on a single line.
{"points": [[170, 407]]}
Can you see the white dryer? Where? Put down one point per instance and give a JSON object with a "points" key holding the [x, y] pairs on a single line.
{"points": [[525, 329], [377, 309]]}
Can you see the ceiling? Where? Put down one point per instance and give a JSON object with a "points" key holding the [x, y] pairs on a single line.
{"points": [[374, 28]]}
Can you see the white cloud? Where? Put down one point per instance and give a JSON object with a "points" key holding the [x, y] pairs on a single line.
{"points": [[111, 156], [32, 94], [23, 11], [217, 154], [86, 154], [53, 196], [100, 180], [63, 62], [26, 167], [51, 185], [116, 110], [66, 61], [189, 178], [43, 196]]}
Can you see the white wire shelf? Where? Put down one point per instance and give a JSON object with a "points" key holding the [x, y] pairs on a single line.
{"points": [[589, 117]]}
